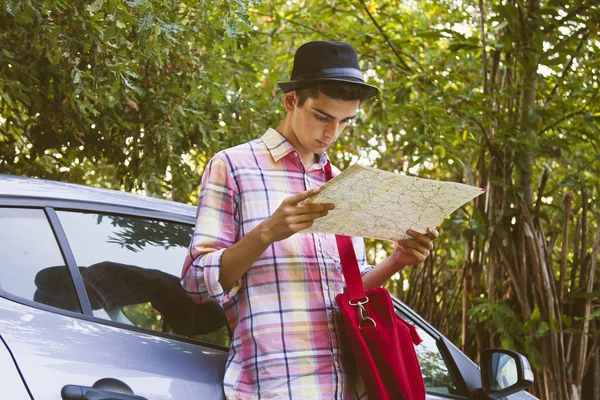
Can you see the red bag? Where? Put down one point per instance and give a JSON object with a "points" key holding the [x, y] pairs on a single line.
{"points": [[382, 343]]}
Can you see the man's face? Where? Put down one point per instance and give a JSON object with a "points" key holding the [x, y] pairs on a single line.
{"points": [[319, 122]]}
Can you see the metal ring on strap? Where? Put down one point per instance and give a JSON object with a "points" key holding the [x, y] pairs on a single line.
{"points": [[367, 319]]}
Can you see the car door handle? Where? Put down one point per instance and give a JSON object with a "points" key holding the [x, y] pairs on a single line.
{"points": [[104, 389]]}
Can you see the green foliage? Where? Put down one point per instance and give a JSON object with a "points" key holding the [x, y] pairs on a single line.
{"points": [[129, 95], [506, 324]]}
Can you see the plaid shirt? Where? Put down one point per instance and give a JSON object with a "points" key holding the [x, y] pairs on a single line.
{"points": [[287, 340]]}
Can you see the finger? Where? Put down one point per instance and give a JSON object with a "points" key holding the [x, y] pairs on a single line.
{"points": [[418, 235], [299, 227], [421, 238], [417, 254], [432, 233], [315, 207], [301, 218], [297, 198], [414, 245]]}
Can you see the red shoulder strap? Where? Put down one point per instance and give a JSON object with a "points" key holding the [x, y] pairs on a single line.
{"points": [[350, 269]]}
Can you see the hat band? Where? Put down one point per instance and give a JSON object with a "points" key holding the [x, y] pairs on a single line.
{"points": [[333, 73]]}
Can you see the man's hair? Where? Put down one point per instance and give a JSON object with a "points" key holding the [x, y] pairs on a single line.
{"points": [[336, 90]]}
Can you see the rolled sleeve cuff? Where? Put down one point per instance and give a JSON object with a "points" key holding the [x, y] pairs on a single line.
{"points": [[210, 264]]}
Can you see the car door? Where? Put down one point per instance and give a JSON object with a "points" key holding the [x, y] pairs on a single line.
{"points": [[88, 295]]}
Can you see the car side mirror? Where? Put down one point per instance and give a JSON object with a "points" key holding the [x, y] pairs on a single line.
{"points": [[504, 372]]}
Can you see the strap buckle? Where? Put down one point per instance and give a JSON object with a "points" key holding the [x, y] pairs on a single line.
{"points": [[359, 302], [365, 320]]}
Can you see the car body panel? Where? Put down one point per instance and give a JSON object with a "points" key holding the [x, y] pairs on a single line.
{"points": [[12, 385], [55, 350]]}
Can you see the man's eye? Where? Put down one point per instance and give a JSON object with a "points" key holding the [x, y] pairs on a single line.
{"points": [[322, 118]]}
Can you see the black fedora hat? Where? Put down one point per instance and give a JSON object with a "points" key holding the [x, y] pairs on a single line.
{"points": [[320, 61]]}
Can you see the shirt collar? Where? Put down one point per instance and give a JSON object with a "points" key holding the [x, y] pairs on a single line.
{"points": [[279, 147]]}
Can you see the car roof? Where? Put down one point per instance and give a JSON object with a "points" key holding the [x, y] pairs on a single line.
{"points": [[35, 188]]}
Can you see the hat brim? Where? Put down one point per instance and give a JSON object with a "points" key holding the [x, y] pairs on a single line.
{"points": [[300, 83]]}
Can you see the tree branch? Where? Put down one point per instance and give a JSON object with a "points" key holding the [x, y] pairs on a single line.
{"points": [[320, 32], [566, 68], [576, 11], [568, 116], [311, 28], [560, 44], [396, 52], [483, 44], [581, 367], [489, 143], [540, 194]]}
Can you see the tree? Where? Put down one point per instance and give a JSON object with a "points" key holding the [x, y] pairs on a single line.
{"points": [[130, 95]]}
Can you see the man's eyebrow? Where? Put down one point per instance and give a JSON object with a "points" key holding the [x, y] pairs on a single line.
{"points": [[329, 115]]}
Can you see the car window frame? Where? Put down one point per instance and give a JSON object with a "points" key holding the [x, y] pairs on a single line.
{"points": [[453, 369], [50, 207]]}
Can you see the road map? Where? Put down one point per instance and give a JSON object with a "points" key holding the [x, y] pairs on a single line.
{"points": [[378, 204]]}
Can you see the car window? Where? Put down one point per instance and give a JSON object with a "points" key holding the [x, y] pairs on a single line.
{"points": [[130, 268], [31, 263], [436, 375]]}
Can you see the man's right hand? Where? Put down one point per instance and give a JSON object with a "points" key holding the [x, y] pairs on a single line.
{"points": [[293, 216]]}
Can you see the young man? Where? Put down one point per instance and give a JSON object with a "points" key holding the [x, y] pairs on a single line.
{"points": [[277, 284]]}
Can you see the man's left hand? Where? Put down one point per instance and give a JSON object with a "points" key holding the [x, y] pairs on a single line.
{"points": [[415, 250]]}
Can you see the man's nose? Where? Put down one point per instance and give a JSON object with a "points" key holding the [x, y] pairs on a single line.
{"points": [[332, 129]]}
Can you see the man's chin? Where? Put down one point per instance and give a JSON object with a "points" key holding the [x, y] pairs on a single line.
{"points": [[321, 148]]}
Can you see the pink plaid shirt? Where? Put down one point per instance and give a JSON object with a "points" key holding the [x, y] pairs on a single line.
{"points": [[287, 340]]}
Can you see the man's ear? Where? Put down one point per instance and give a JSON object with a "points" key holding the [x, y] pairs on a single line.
{"points": [[290, 99]]}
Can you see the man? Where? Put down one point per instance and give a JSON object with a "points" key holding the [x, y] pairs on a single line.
{"points": [[277, 284]]}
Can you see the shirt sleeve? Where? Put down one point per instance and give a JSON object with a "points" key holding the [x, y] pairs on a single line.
{"points": [[361, 255], [217, 227]]}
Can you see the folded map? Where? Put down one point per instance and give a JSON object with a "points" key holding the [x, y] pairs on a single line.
{"points": [[383, 205]]}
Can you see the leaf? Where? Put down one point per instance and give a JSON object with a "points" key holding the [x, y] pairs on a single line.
{"points": [[95, 6], [136, 3], [429, 34], [462, 46], [542, 329], [500, 26], [7, 98], [110, 33], [535, 315], [510, 13], [595, 314]]}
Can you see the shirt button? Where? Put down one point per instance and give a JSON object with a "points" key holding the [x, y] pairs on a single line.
{"points": [[326, 287]]}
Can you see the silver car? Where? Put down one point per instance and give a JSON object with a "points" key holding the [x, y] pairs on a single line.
{"points": [[91, 306]]}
